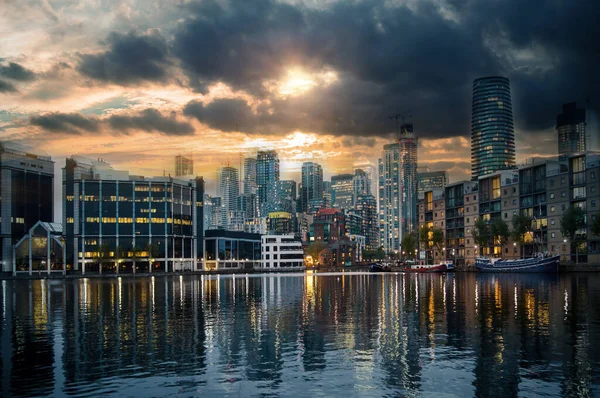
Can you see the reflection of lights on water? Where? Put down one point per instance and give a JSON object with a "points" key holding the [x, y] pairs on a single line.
{"points": [[181, 291], [43, 285], [516, 299], [84, 292], [120, 291], [152, 291], [476, 298], [566, 302], [453, 294], [4, 299]]}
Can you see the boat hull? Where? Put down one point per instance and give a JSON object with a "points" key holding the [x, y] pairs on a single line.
{"points": [[533, 265], [439, 268], [379, 268]]}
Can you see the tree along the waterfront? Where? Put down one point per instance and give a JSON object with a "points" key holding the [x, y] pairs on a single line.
{"points": [[521, 226], [570, 222], [481, 232], [500, 231], [409, 245]]}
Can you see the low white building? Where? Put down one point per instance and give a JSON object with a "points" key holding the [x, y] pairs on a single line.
{"points": [[281, 251]]}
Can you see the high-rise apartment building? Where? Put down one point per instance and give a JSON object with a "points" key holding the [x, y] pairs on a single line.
{"points": [[492, 130], [26, 196], [408, 144], [250, 176], [267, 181], [578, 130], [342, 187], [366, 206], [361, 184], [389, 198], [312, 184], [183, 166], [228, 188]]}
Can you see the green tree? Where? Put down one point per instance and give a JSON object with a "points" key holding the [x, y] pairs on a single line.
{"points": [[409, 244], [380, 254], [424, 236], [314, 248], [521, 226], [500, 231], [573, 219], [595, 227], [481, 231], [437, 237]]}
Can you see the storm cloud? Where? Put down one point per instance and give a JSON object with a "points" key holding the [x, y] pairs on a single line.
{"points": [[66, 123], [17, 72], [6, 87], [131, 59], [151, 120]]}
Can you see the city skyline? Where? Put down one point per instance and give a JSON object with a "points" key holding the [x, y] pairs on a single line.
{"points": [[72, 79]]}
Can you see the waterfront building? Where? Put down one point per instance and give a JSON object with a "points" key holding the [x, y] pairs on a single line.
{"points": [[353, 222], [250, 181], [499, 192], [408, 144], [311, 186], [267, 181], [280, 223], [218, 217], [342, 187], [366, 206], [120, 222], [428, 180], [461, 198], [578, 130], [26, 196], [360, 244], [304, 223], [432, 215], [228, 188], [492, 130], [231, 250], [41, 250], [257, 225], [236, 220], [281, 251], [184, 166]]}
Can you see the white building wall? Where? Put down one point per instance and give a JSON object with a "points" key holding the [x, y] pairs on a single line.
{"points": [[274, 246]]}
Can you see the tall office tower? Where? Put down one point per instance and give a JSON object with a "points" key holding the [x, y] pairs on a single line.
{"points": [[427, 180], [248, 203], [342, 188], [578, 130], [327, 193], [228, 188], [492, 130], [250, 175], [26, 196], [312, 184], [361, 184], [142, 223], [183, 166], [208, 211], [390, 204], [366, 206], [288, 196], [371, 170], [267, 181]]}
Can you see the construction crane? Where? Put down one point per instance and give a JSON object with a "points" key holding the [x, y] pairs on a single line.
{"points": [[402, 127]]}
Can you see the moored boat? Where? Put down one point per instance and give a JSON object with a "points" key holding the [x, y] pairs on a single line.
{"points": [[535, 264], [379, 267], [444, 266]]}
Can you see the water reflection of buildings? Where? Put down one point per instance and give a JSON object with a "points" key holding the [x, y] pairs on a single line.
{"points": [[501, 335]]}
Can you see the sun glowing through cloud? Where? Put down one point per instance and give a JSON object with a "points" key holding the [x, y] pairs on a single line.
{"points": [[297, 82]]}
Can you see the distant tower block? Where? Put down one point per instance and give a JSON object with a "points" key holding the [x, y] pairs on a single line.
{"points": [[183, 166]]}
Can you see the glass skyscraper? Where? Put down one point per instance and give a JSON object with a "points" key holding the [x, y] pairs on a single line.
{"points": [[312, 184], [267, 181], [492, 129]]}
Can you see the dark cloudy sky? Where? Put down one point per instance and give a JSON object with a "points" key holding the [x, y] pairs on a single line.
{"points": [[136, 81]]}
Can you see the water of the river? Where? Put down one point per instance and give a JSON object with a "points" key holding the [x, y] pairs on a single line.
{"points": [[302, 335]]}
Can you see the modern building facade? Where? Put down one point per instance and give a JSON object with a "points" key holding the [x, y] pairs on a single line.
{"points": [[492, 129], [117, 222], [267, 181], [281, 251], [312, 184], [361, 184], [231, 250], [408, 144], [280, 223], [578, 130], [184, 166], [26, 196]]}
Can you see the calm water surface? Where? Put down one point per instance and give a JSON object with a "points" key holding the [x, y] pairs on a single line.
{"points": [[302, 335]]}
